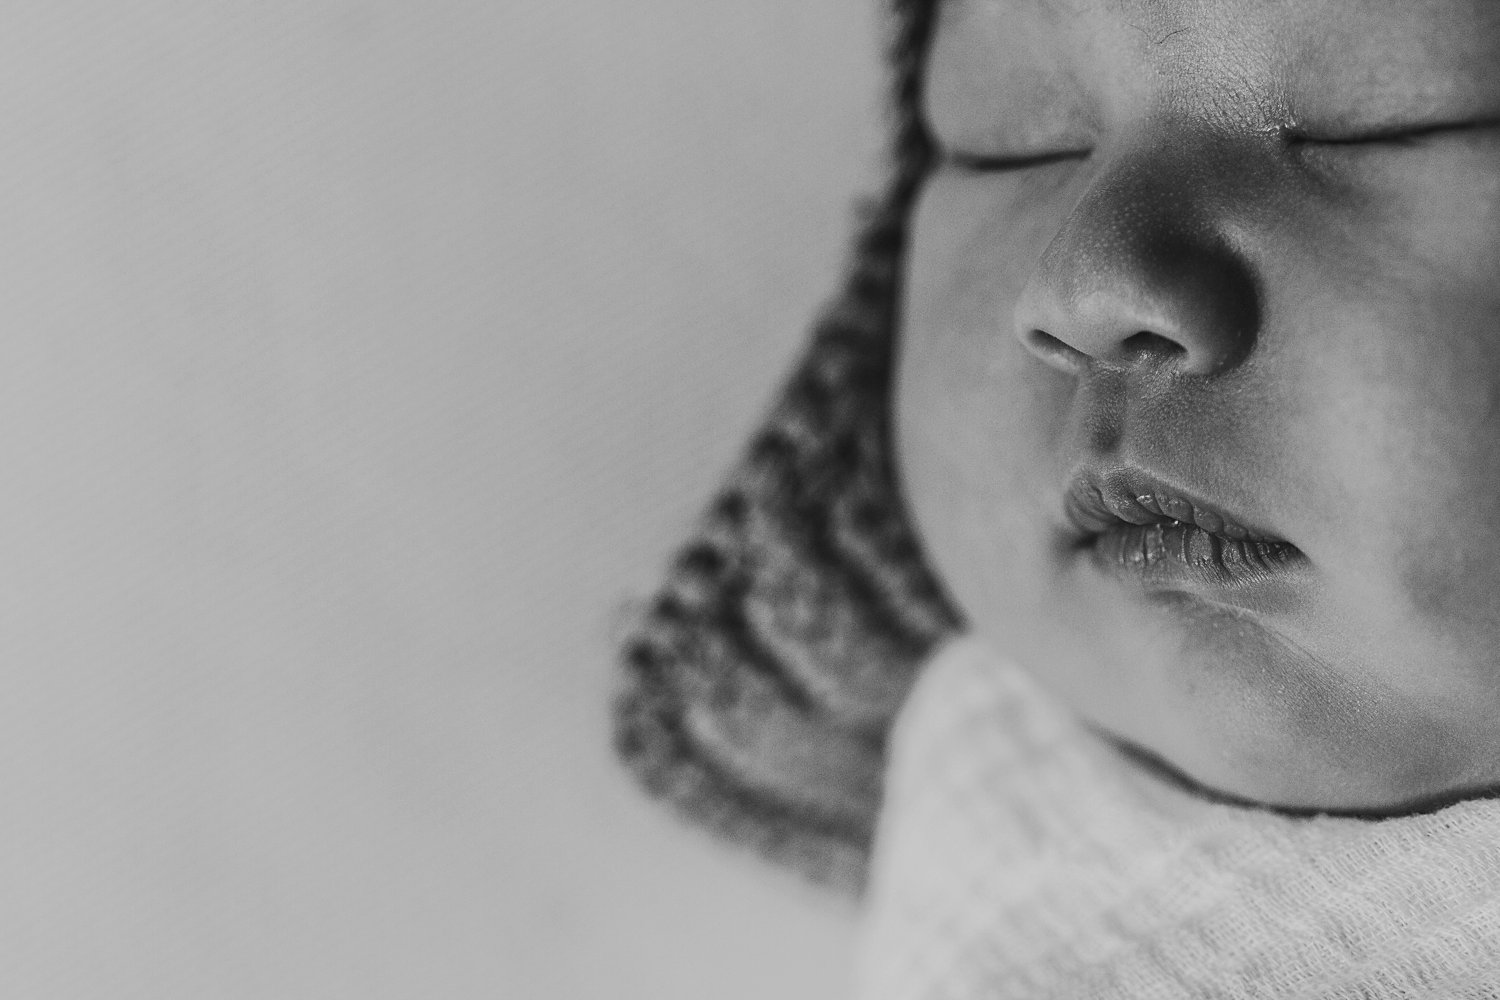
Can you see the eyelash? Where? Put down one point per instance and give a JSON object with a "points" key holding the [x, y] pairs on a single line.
{"points": [[1395, 136], [981, 163]]}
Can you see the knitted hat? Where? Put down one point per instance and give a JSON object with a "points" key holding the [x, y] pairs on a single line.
{"points": [[761, 681]]}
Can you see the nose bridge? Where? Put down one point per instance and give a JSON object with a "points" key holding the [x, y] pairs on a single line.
{"points": [[1141, 271]]}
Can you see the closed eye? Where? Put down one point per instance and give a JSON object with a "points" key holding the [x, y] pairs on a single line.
{"points": [[992, 163], [1395, 134]]}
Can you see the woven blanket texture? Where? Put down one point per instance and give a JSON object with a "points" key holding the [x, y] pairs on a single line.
{"points": [[1020, 856]]}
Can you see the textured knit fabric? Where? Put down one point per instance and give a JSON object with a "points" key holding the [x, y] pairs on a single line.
{"points": [[1019, 856], [761, 680]]}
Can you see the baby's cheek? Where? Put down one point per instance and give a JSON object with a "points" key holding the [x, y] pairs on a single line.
{"points": [[1436, 515]]}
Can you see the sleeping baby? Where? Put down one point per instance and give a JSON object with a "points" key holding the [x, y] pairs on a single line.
{"points": [[1113, 595]]}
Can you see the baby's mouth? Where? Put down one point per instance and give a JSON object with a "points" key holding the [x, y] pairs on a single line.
{"points": [[1132, 525]]}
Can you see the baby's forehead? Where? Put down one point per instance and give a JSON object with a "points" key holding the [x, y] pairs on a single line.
{"points": [[1144, 12], [1396, 58]]}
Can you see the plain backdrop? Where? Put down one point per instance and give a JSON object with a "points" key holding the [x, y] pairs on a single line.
{"points": [[359, 360]]}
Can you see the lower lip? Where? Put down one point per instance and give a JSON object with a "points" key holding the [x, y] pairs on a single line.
{"points": [[1178, 556]]}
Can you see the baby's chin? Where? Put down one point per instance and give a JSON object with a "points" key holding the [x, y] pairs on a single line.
{"points": [[1233, 711]]}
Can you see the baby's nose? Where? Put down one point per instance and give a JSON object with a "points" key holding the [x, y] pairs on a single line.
{"points": [[1136, 277]]}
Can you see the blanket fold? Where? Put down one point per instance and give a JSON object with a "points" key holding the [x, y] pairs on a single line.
{"points": [[1020, 856]]}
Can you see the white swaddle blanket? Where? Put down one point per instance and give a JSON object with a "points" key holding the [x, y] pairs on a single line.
{"points": [[1019, 856]]}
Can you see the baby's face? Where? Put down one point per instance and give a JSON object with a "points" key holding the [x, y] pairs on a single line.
{"points": [[1199, 401]]}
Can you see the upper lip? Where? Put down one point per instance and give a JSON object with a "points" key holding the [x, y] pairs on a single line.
{"points": [[1100, 499]]}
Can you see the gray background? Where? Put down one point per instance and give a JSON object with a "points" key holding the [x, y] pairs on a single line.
{"points": [[359, 359]]}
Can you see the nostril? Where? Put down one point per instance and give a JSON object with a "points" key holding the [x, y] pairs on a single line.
{"points": [[1055, 352], [1146, 342]]}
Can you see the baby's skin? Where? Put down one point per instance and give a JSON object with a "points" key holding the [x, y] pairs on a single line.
{"points": [[1198, 402]]}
